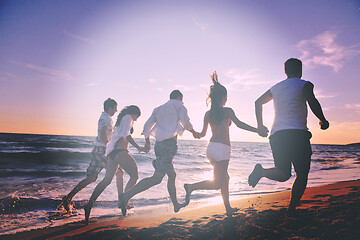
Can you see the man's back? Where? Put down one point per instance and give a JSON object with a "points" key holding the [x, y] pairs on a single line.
{"points": [[290, 105], [167, 119]]}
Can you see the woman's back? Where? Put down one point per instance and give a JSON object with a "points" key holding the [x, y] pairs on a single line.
{"points": [[220, 131]]}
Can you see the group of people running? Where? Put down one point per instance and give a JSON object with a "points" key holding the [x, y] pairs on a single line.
{"points": [[289, 141]]}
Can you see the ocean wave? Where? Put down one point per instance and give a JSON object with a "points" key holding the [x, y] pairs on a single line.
{"points": [[14, 204], [41, 173], [14, 160]]}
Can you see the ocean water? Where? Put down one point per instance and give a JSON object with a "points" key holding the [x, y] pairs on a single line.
{"points": [[37, 170]]}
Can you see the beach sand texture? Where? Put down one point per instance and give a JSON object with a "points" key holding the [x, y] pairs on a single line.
{"points": [[327, 212]]}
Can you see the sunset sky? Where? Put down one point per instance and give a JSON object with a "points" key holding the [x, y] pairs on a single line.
{"points": [[61, 59]]}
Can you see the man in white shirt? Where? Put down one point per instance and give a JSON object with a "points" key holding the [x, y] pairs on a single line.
{"points": [[98, 159], [165, 124], [289, 137]]}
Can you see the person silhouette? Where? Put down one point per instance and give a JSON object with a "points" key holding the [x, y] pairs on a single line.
{"points": [[218, 151], [165, 124], [289, 136]]}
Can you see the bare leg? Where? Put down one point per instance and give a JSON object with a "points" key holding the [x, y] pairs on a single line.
{"points": [[220, 181], [141, 186], [172, 190], [297, 191], [120, 182], [66, 200], [111, 168], [276, 174], [270, 173], [128, 163]]}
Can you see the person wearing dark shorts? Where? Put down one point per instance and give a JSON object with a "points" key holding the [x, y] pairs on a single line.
{"points": [[289, 137], [98, 161], [165, 152], [291, 146], [165, 123]]}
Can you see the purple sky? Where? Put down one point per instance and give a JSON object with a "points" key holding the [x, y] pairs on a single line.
{"points": [[61, 59]]}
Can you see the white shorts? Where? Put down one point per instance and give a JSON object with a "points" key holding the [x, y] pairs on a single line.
{"points": [[218, 152]]}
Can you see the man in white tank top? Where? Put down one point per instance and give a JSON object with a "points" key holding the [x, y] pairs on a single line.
{"points": [[289, 136]]}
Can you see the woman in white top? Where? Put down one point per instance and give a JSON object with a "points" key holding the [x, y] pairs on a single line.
{"points": [[218, 151], [118, 154]]}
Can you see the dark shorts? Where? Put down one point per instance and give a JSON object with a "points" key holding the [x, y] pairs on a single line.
{"points": [[114, 152], [165, 152], [98, 161], [292, 146]]}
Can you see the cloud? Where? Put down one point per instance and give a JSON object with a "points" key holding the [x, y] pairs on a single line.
{"points": [[324, 50], [53, 74], [92, 84], [355, 107], [159, 89], [320, 94], [78, 37], [7, 77], [243, 80], [184, 88], [201, 25], [151, 80]]}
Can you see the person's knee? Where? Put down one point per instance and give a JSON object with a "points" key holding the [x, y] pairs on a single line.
{"points": [[92, 178], [218, 183], [134, 177], [172, 175], [157, 178], [284, 176], [302, 176], [120, 173]]}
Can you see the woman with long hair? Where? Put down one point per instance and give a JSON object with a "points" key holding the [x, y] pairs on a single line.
{"points": [[118, 154], [218, 150]]}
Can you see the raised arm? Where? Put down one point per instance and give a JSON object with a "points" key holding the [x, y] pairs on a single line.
{"points": [[239, 123], [308, 92]]}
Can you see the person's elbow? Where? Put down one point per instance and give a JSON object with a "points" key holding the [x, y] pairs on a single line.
{"points": [[258, 104]]}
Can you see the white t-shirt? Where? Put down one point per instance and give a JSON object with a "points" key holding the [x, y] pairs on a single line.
{"points": [[169, 119], [121, 131], [290, 105], [104, 121]]}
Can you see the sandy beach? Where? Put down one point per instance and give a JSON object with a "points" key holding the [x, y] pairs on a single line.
{"points": [[327, 212]]}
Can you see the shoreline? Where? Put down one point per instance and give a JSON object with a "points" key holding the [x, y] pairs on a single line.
{"points": [[334, 206]]}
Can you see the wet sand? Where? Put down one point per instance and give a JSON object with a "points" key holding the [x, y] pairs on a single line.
{"points": [[326, 212]]}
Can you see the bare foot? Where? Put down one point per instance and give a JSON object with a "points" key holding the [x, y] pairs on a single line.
{"points": [[292, 213], [255, 176], [179, 206], [87, 209], [230, 211], [188, 194], [129, 205], [123, 204], [66, 203]]}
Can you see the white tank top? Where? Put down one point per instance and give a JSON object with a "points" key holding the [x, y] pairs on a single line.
{"points": [[290, 105]]}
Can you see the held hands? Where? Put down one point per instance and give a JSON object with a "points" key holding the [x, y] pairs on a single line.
{"points": [[324, 124], [262, 131], [147, 147], [196, 135]]}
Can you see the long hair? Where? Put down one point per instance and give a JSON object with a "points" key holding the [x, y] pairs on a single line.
{"points": [[216, 95], [132, 109]]}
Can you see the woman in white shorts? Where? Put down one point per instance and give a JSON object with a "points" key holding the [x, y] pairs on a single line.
{"points": [[219, 150]]}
